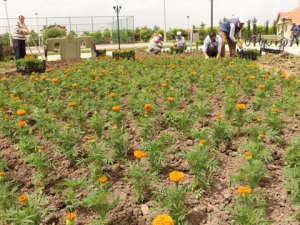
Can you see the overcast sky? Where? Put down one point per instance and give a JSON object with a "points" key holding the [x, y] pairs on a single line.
{"points": [[150, 12]]}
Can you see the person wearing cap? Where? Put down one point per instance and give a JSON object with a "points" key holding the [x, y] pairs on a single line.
{"points": [[295, 34], [212, 45], [228, 31], [156, 44], [180, 41]]}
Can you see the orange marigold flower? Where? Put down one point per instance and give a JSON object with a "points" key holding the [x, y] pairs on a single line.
{"points": [[112, 95], [48, 70], [248, 155], [116, 108], [283, 75], [170, 99], [74, 85], [275, 110], [202, 142], [163, 219], [2, 174], [72, 104], [70, 218], [139, 154], [176, 176], [148, 107], [219, 117], [12, 94], [232, 63], [264, 76], [228, 78], [102, 179], [21, 112], [244, 190], [54, 80], [261, 86], [23, 198], [259, 117], [53, 116], [43, 77], [164, 84], [241, 106], [22, 123]]}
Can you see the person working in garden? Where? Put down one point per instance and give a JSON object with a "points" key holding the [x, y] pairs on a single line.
{"points": [[156, 44], [228, 31], [180, 41], [295, 34], [19, 35], [212, 45]]}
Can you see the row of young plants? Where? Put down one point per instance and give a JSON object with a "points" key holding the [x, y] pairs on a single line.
{"points": [[95, 100]]}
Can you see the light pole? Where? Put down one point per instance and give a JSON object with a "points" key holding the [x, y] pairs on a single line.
{"points": [[38, 31], [118, 9], [9, 35], [188, 24], [165, 22], [212, 15]]}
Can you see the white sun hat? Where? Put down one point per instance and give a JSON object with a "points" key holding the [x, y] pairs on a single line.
{"points": [[242, 19], [178, 33]]}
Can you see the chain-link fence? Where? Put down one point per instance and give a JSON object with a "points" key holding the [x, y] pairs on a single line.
{"points": [[79, 25]]}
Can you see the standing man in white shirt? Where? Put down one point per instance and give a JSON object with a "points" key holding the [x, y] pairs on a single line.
{"points": [[228, 31], [212, 45], [19, 36], [156, 44], [180, 41]]}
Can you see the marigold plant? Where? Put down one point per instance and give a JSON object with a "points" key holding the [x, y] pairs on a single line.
{"points": [[248, 155], [22, 123], [23, 198], [70, 218], [102, 179], [139, 154], [72, 104], [116, 108], [241, 106], [163, 219], [148, 107], [21, 112], [176, 176], [244, 190]]}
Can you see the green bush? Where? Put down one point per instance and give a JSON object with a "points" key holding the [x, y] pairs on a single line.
{"points": [[250, 54], [123, 54], [54, 33]]}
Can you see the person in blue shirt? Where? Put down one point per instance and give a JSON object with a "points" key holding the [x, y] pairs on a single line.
{"points": [[295, 34], [228, 31], [212, 45]]}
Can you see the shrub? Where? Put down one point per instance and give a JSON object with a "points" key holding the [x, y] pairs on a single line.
{"points": [[54, 33]]}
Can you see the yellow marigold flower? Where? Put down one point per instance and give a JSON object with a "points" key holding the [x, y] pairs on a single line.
{"points": [[244, 190], [115, 125], [139, 154], [241, 106], [74, 85], [23, 198], [275, 110], [176, 176], [22, 123], [146, 114], [248, 155], [164, 84], [259, 117], [54, 80], [70, 218], [21, 112], [92, 138], [251, 77], [102, 179], [72, 104], [219, 117], [79, 70], [170, 99], [261, 86], [261, 136], [116, 108], [202, 142], [112, 95], [2, 174], [148, 107], [53, 116], [163, 219]]}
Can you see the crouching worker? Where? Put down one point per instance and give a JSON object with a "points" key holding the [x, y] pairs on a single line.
{"points": [[180, 41], [212, 45], [156, 44]]}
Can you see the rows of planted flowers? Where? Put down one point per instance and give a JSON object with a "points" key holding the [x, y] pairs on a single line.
{"points": [[136, 113]]}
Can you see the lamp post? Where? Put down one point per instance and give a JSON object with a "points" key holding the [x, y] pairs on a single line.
{"points": [[118, 9], [37, 26], [212, 15], [188, 26], [165, 22], [9, 35]]}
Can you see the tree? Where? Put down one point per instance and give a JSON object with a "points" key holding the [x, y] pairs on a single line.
{"points": [[267, 27], [274, 27], [156, 29], [254, 29], [202, 25], [248, 27]]}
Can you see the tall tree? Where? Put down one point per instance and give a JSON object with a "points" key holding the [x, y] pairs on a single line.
{"points": [[254, 29], [266, 27]]}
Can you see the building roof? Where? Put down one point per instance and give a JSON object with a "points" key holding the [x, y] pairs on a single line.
{"points": [[293, 15]]}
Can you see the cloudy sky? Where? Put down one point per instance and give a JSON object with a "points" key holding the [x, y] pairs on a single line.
{"points": [[150, 12]]}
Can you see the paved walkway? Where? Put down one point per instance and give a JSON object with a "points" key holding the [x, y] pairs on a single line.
{"points": [[293, 50]]}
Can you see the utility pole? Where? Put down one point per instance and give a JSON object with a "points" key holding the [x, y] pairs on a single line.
{"points": [[118, 9], [38, 31], [212, 15], [188, 24], [9, 35], [165, 22]]}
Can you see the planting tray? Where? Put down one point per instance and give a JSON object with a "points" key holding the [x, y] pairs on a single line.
{"points": [[29, 70]]}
